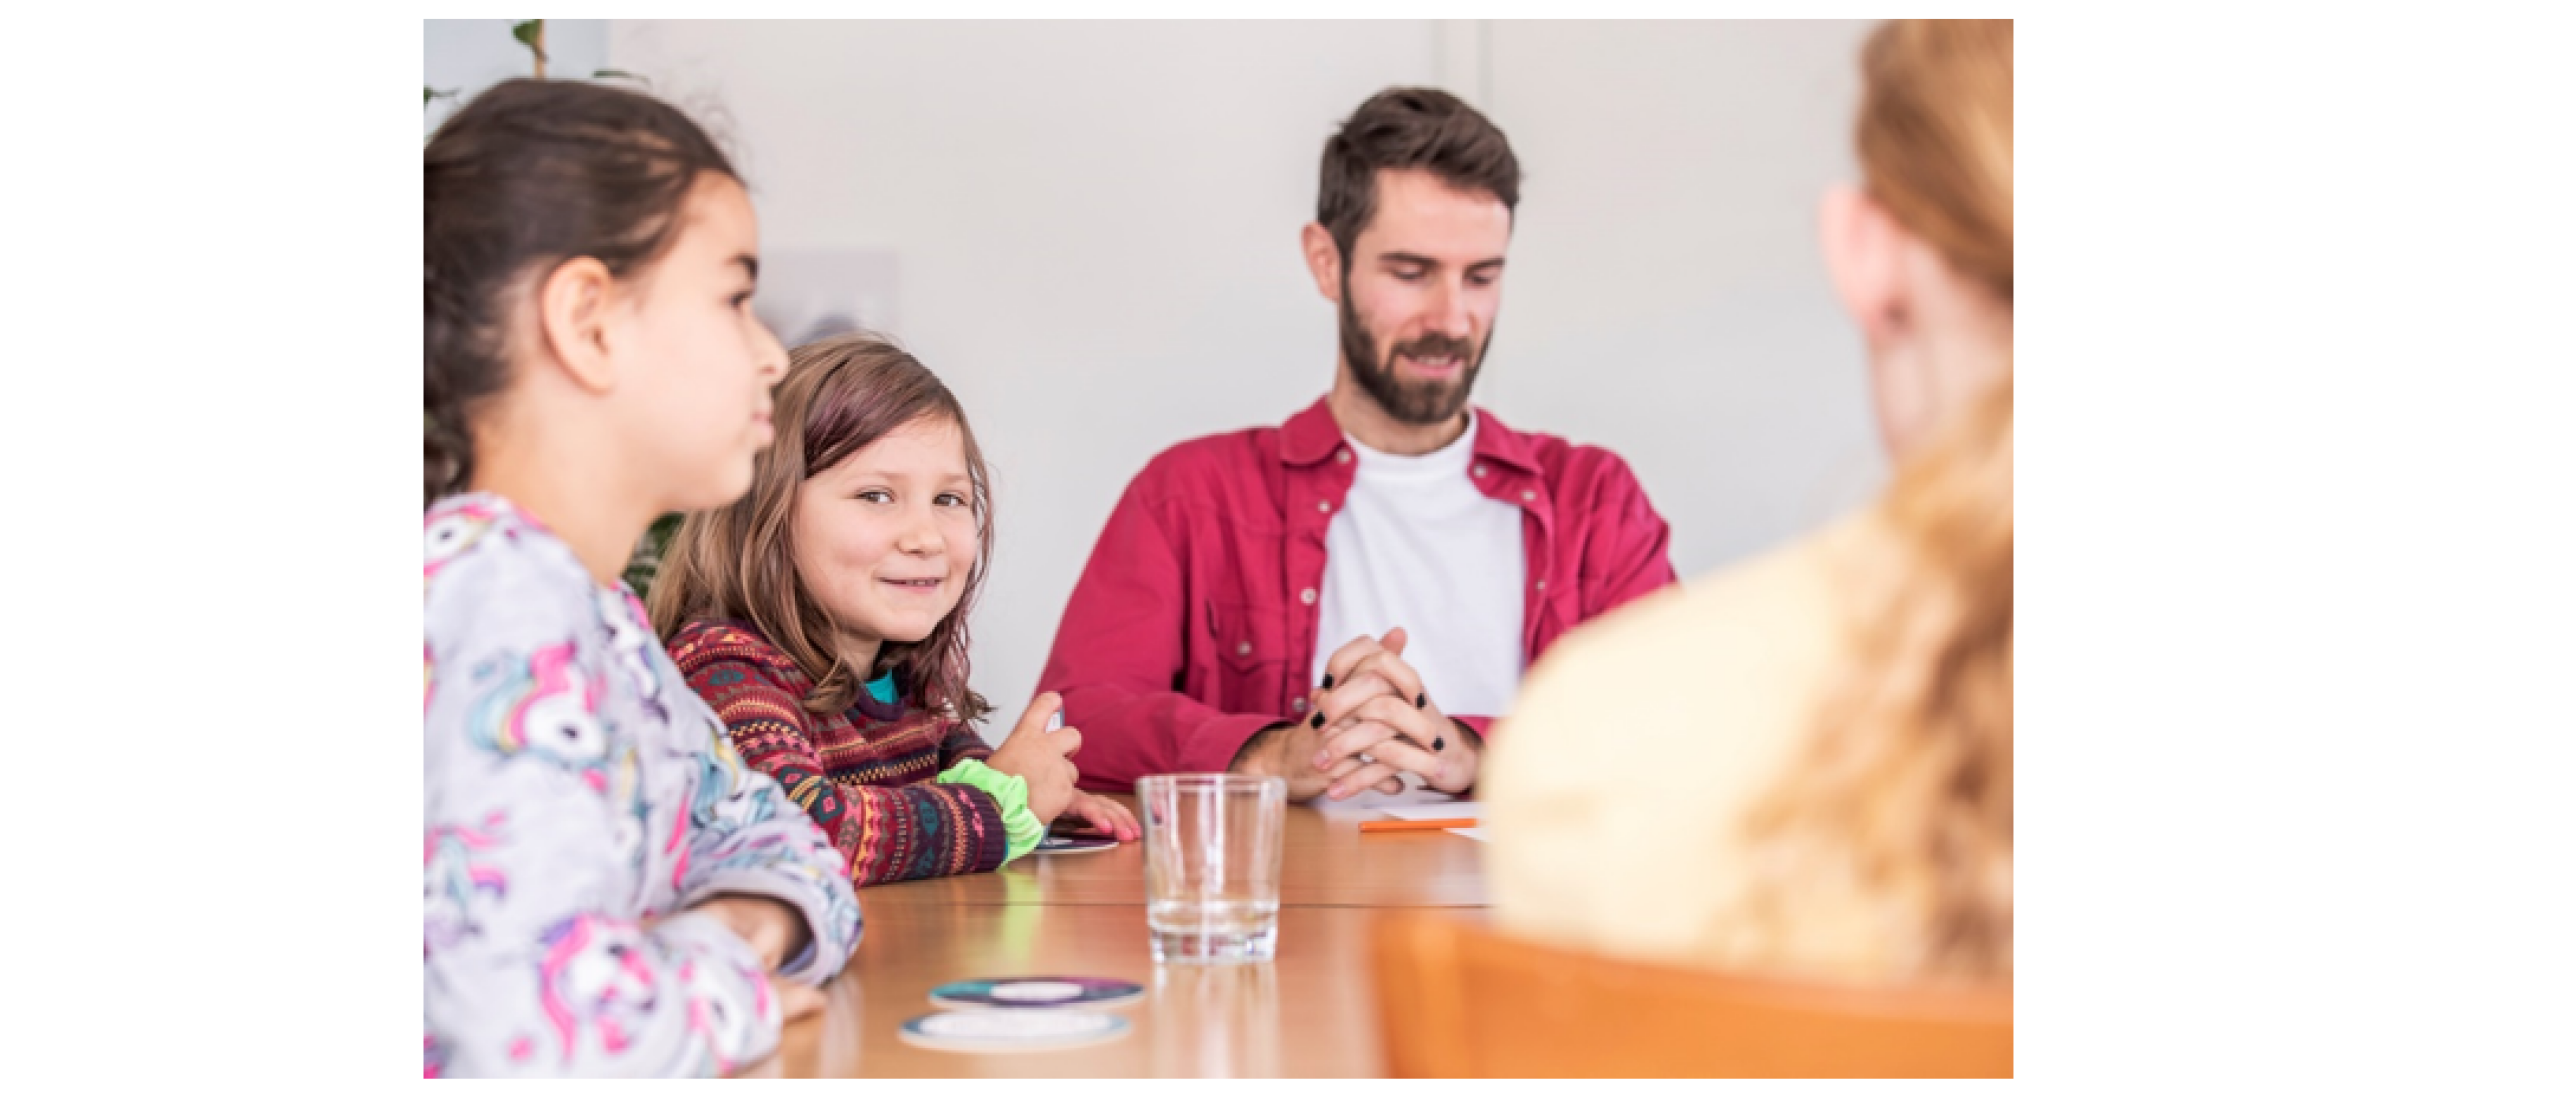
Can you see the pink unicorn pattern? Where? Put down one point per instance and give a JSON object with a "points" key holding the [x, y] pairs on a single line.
{"points": [[633, 644], [544, 705], [557, 935], [456, 883], [595, 979], [452, 531]]}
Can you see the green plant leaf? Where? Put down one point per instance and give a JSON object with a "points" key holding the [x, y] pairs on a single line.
{"points": [[529, 32], [651, 552], [617, 74], [449, 93]]}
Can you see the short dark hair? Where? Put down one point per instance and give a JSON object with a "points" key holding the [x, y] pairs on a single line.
{"points": [[527, 176], [1409, 128]]}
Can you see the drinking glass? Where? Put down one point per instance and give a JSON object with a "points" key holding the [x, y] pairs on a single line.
{"points": [[1213, 866]]}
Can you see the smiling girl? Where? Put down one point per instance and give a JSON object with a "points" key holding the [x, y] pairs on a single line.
{"points": [[825, 616]]}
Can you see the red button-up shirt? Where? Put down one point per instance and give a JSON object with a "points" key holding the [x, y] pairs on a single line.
{"points": [[1195, 623]]}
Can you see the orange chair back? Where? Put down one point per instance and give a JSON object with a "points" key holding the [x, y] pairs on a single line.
{"points": [[1460, 1000]]}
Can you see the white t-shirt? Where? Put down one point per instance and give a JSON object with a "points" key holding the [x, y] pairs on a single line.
{"points": [[1417, 545]]}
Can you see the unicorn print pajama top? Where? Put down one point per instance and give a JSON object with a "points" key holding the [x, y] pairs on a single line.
{"points": [[579, 798]]}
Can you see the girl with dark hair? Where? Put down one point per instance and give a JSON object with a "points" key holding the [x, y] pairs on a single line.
{"points": [[608, 889], [825, 616]]}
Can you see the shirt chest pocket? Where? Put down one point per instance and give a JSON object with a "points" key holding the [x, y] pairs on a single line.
{"points": [[1249, 641]]}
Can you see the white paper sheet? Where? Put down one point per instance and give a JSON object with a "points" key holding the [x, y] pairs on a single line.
{"points": [[1437, 809], [1370, 803]]}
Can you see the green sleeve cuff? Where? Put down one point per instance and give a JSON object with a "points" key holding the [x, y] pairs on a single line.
{"points": [[1022, 829]]}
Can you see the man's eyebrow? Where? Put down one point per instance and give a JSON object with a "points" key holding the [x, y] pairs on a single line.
{"points": [[1428, 263], [749, 260]]}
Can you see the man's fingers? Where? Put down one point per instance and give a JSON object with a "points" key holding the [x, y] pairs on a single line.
{"points": [[1391, 668], [1338, 667], [1388, 728], [1354, 737], [1376, 742], [1342, 769], [1415, 725], [1403, 756], [1350, 695], [1368, 775]]}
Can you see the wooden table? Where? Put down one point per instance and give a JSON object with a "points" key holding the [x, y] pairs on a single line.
{"points": [[1306, 1013]]}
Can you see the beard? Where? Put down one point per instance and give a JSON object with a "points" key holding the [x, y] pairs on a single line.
{"points": [[1409, 402]]}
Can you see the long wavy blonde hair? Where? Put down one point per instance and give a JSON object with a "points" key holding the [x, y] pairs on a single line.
{"points": [[1903, 800]]}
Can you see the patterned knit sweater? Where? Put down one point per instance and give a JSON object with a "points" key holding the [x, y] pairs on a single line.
{"points": [[865, 775]]}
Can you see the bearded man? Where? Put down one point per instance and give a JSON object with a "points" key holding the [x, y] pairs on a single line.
{"points": [[1348, 600]]}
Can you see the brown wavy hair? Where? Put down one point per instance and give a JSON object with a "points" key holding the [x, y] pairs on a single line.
{"points": [[840, 395], [1904, 797]]}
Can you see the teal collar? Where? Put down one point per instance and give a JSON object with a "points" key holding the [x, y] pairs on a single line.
{"points": [[882, 690]]}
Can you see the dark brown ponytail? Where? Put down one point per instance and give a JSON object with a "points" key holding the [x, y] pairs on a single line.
{"points": [[528, 175]]}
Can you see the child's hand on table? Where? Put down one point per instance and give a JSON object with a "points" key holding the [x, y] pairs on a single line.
{"points": [[1100, 815]]}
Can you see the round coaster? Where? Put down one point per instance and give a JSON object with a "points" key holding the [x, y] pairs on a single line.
{"points": [[1011, 1032], [1040, 992]]}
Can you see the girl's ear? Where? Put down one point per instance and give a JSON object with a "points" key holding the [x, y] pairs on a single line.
{"points": [[1862, 245], [1324, 261], [572, 305]]}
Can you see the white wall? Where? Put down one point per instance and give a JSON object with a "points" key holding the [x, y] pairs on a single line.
{"points": [[1666, 295], [1094, 227], [1095, 232]]}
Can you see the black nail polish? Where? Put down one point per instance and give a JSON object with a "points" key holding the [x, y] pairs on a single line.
{"points": [[1318, 722], [1438, 742], [1327, 685], [1419, 701]]}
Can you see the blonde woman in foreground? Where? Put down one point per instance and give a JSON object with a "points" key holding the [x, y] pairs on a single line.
{"points": [[1802, 765]]}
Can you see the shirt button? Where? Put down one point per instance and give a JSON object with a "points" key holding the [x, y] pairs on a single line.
{"points": [[1479, 471], [1244, 649], [1324, 506], [1306, 595], [1528, 494], [1342, 454], [1298, 704], [1542, 584]]}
